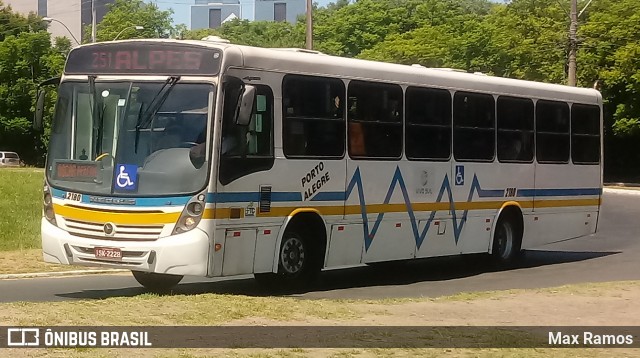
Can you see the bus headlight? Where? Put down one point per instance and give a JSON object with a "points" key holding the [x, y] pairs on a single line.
{"points": [[47, 205], [191, 215]]}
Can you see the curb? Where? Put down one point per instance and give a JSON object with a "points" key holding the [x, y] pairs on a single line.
{"points": [[628, 185], [57, 274], [622, 191]]}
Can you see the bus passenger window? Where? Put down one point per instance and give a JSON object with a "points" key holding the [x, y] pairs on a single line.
{"points": [[585, 134], [474, 126], [313, 116], [428, 130], [356, 139], [515, 129], [552, 132], [376, 109]]}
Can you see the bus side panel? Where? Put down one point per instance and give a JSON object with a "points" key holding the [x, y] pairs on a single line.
{"points": [[239, 251], [266, 249], [393, 241], [387, 231], [426, 182], [513, 178], [566, 202], [552, 227], [478, 194], [345, 246]]}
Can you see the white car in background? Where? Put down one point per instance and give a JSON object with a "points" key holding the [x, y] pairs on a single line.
{"points": [[10, 159]]}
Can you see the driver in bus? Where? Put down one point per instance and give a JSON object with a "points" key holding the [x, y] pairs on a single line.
{"points": [[198, 153]]}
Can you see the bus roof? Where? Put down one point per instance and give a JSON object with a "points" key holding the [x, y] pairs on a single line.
{"points": [[308, 62]]}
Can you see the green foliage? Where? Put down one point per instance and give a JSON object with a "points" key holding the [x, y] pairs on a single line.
{"points": [[12, 24], [124, 15], [255, 33], [26, 58], [348, 30]]}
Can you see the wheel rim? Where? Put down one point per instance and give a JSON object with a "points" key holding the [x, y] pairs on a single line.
{"points": [[292, 255], [504, 241]]}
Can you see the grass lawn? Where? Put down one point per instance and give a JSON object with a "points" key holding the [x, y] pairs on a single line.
{"points": [[20, 208], [20, 213], [239, 310]]}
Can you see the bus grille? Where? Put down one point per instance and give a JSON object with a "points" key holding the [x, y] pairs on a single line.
{"points": [[123, 232]]}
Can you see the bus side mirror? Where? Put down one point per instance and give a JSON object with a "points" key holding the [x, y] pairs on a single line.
{"points": [[39, 113], [38, 116], [245, 105]]}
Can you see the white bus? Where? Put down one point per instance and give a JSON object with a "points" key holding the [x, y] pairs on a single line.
{"points": [[204, 158]]}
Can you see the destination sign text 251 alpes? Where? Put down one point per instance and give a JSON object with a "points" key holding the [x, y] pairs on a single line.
{"points": [[144, 58]]}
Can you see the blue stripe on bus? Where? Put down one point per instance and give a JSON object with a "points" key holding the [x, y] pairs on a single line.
{"points": [[240, 197], [528, 193], [165, 201], [243, 197], [490, 193], [330, 196]]}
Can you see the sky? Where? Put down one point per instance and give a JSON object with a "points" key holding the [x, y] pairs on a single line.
{"points": [[182, 10]]}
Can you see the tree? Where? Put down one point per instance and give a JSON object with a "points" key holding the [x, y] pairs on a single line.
{"points": [[347, 30], [26, 58], [255, 33], [608, 56], [13, 23], [125, 14]]}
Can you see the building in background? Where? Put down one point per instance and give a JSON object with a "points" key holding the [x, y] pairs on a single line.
{"points": [[76, 14], [212, 13]]}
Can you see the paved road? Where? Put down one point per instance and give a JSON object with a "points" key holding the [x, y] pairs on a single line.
{"points": [[611, 255]]}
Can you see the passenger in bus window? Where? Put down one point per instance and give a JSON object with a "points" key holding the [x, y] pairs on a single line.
{"points": [[197, 153], [337, 107]]}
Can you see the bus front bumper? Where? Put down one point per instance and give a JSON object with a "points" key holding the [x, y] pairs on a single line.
{"points": [[182, 254]]}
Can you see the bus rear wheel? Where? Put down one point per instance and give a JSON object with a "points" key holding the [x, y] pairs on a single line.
{"points": [[296, 263], [156, 282], [507, 241]]}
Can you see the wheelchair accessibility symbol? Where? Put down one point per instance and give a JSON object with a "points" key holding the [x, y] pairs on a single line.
{"points": [[459, 174], [127, 177]]}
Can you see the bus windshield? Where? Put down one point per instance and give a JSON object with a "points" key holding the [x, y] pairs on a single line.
{"points": [[130, 138]]}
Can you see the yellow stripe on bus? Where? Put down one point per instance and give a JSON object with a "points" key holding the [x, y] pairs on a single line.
{"points": [[286, 211], [566, 203], [123, 218], [283, 211]]}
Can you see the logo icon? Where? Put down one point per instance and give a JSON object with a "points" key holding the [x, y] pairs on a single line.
{"points": [[127, 177], [250, 210], [23, 337], [425, 178], [109, 229], [459, 174]]}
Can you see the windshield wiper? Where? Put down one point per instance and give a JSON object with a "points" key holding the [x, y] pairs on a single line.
{"points": [[154, 107], [97, 113]]}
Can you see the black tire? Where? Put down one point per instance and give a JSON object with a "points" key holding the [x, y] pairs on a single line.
{"points": [[156, 282], [507, 241], [298, 263]]}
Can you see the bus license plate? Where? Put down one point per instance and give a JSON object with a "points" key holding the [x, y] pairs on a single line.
{"points": [[108, 253]]}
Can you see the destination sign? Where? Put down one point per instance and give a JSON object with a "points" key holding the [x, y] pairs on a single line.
{"points": [[76, 171], [144, 58]]}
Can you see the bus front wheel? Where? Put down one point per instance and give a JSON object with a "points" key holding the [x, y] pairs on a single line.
{"points": [[507, 241], [156, 282], [296, 263]]}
